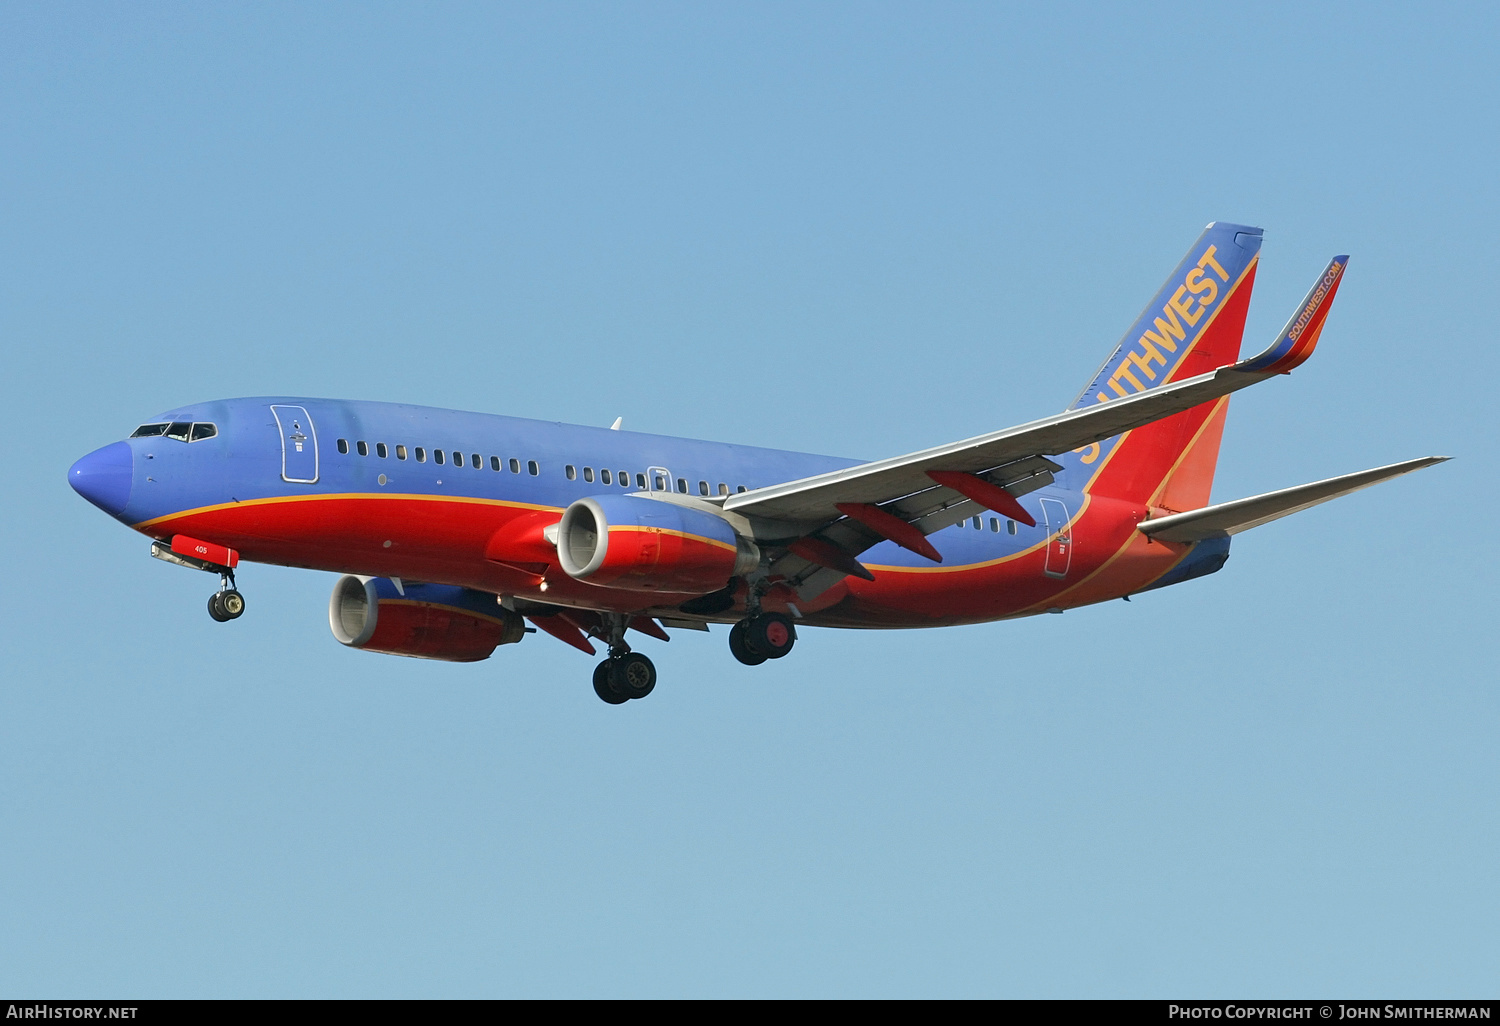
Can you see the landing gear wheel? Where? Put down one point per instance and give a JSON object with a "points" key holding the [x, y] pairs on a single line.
{"points": [[604, 687], [633, 675], [770, 634], [231, 604], [740, 649], [215, 610]]}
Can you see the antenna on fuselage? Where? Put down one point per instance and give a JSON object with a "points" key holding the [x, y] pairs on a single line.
{"points": [[616, 425]]}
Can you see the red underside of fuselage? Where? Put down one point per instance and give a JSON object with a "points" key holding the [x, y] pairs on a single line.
{"points": [[454, 541]]}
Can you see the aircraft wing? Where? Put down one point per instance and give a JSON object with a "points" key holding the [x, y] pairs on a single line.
{"points": [[816, 499], [1243, 514], [825, 521]]}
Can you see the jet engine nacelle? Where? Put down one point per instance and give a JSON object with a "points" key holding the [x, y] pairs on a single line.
{"points": [[426, 621], [642, 544]]}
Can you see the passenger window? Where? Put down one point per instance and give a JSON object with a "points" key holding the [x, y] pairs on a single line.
{"points": [[343, 446], [515, 466], [604, 477], [977, 525], [571, 473], [437, 456], [400, 452], [702, 487], [1010, 527], [741, 488], [202, 431], [588, 474], [364, 449], [640, 481], [149, 431], [723, 488], [458, 458], [381, 450], [495, 463], [661, 483], [180, 430], [476, 461], [421, 455], [682, 485], [532, 468], [994, 526]]}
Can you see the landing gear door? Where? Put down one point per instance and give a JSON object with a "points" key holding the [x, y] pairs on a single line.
{"points": [[299, 445], [1059, 538]]}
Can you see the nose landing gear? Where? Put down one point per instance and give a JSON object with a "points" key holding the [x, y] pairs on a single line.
{"points": [[226, 603]]}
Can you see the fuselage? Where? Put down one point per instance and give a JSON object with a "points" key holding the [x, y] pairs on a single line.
{"points": [[432, 495]]}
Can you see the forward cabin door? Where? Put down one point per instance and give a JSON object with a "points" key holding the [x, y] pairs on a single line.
{"points": [[299, 445], [1059, 538]]}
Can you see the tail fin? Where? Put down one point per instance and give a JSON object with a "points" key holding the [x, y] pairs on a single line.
{"points": [[1185, 330], [1193, 326]]}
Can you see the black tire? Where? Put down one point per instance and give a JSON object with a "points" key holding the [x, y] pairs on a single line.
{"points": [[604, 687], [633, 675], [214, 609], [770, 634], [739, 648], [231, 604]]}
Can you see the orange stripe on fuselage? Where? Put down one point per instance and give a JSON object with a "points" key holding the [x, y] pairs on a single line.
{"points": [[684, 535]]}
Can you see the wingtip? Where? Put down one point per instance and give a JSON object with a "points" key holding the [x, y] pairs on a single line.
{"points": [[1300, 336]]}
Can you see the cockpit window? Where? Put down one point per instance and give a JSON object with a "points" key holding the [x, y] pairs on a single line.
{"points": [[182, 430]]}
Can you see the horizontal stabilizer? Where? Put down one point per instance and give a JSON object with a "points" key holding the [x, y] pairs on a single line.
{"points": [[1242, 514]]}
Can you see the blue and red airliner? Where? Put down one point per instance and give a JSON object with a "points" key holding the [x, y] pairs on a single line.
{"points": [[455, 530]]}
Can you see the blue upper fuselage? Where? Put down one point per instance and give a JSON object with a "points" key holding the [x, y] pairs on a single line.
{"points": [[269, 447]]}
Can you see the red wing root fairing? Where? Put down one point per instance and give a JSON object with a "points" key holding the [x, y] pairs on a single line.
{"points": [[587, 533]]}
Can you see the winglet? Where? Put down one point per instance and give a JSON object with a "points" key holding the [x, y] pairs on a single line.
{"points": [[1300, 336]]}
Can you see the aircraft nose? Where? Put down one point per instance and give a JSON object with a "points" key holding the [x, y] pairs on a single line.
{"points": [[103, 477]]}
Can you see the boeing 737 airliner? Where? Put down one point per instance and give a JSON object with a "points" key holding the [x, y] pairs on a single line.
{"points": [[456, 529]]}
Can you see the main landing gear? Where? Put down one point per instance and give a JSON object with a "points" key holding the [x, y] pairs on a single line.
{"points": [[625, 674], [762, 637]]}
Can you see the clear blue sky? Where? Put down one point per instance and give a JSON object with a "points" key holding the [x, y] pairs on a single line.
{"points": [[858, 229]]}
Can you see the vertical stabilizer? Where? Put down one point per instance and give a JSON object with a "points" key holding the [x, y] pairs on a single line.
{"points": [[1192, 326]]}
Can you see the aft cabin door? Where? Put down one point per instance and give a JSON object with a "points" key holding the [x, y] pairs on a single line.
{"points": [[1059, 538], [299, 445]]}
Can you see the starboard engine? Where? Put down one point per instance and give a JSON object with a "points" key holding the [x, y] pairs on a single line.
{"points": [[642, 544], [426, 621]]}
